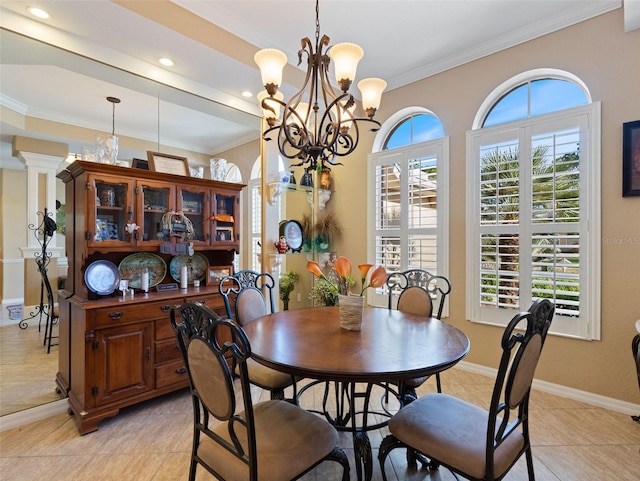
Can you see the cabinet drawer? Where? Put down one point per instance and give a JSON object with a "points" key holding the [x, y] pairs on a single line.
{"points": [[215, 302], [116, 315], [164, 330], [167, 350], [173, 373]]}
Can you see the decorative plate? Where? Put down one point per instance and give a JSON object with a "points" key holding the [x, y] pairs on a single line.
{"points": [[292, 232], [197, 265], [131, 268], [102, 277]]}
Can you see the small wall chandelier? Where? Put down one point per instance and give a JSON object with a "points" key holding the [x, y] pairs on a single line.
{"points": [[318, 125]]}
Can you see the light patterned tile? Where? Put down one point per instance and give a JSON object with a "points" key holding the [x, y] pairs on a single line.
{"points": [[580, 463], [50, 468], [121, 467]]}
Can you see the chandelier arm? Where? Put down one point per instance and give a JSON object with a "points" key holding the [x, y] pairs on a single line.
{"points": [[333, 126]]}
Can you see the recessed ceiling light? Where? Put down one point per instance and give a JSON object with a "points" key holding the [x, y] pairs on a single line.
{"points": [[247, 94], [38, 12], [167, 62]]}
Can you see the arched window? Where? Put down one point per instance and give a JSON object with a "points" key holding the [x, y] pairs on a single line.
{"points": [[255, 212], [536, 97], [408, 224], [418, 127], [533, 203]]}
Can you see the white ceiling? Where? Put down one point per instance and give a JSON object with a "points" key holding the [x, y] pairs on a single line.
{"points": [[213, 42]]}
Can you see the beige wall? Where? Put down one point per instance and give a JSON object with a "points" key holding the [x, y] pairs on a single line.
{"points": [[13, 236], [606, 59]]}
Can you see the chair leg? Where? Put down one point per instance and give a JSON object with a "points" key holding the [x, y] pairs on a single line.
{"points": [[529, 456], [48, 334], [339, 456], [277, 394], [388, 444]]}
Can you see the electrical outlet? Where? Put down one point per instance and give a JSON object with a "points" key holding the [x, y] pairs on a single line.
{"points": [[299, 297]]}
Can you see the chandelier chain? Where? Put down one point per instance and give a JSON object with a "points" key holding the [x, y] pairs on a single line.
{"points": [[317, 21]]}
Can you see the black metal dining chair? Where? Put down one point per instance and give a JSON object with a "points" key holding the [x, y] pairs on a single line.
{"points": [[475, 443], [49, 307], [233, 438], [251, 295], [416, 291]]}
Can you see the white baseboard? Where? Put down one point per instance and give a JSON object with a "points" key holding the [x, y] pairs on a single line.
{"points": [[37, 413], [567, 392]]}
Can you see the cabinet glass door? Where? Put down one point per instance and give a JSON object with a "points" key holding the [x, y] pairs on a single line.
{"points": [[224, 208], [156, 200], [193, 204], [110, 210]]}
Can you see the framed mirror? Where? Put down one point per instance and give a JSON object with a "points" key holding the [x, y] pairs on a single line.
{"points": [[70, 107]]}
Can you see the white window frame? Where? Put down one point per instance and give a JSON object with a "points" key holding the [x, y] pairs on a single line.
{"points": [[588, 324], [401, 155]]}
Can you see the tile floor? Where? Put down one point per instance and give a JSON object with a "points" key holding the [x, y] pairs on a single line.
{"points": [[572, 441]]}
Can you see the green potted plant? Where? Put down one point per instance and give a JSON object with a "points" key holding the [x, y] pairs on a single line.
{"points": [[287, 284], [324, 293]]}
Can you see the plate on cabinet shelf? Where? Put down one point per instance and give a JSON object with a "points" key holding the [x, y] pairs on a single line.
{"points": [[102, 277], [292, 232], [197, 265], [131, 268]]}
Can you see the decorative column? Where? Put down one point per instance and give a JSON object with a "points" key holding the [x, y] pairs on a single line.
{"points": [[42, 159]]}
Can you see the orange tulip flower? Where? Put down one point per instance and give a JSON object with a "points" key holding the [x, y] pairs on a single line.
{"points": [[314, 268], [343, 267], [364, 270], [378, 277]]}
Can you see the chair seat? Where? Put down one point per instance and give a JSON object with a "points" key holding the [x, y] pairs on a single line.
{"points": [[283, 432], [266, 377], [449, 430]]}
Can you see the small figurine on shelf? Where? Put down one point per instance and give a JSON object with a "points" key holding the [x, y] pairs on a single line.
{"points": [[282, 245]]}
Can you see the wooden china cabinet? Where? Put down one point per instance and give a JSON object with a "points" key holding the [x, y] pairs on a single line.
{"points": [[118, 350]]}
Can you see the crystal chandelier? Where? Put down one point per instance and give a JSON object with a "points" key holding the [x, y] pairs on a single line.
{"points": [[107, 148], [319, 123]]}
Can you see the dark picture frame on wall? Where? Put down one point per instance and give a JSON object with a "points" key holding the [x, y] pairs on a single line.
{"points": [[631, 159]]}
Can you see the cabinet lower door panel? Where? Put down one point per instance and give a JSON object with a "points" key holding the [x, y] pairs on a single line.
{"points": [[124, 364]]}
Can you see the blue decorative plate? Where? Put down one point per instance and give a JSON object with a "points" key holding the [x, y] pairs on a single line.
{"points": [[102, 277], [197, 266]]}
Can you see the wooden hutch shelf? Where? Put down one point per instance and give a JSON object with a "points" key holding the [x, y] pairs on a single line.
{"points": [[117, 350]]}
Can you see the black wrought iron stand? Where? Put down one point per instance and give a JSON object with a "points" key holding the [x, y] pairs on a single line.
{"points": [[43, 233]]}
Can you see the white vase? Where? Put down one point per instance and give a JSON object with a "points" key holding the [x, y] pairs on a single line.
{"points": [[351, 309]]}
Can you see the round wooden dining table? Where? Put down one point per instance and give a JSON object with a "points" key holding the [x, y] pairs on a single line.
{"points": [[391, 346]]}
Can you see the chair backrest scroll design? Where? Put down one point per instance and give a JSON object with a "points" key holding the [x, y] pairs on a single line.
{"points": [[230, 288], [212, 383], [522, 343], [437, 286]]}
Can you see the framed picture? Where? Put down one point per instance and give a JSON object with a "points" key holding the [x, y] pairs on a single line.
{"points": [[215, 273], [140, 164], [224, 234], [168, 164], [631, 158]]}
